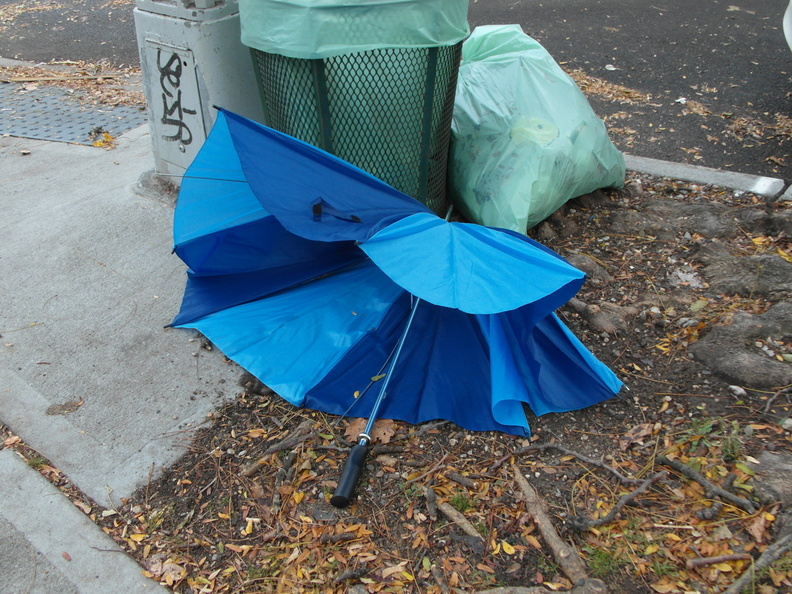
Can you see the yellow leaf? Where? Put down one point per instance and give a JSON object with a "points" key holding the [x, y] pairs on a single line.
{"points": [[223, 516], [408, 576], [652, 548], [531, 540], [725, 567], [137, 537], [377, 378], [672, 536], [299, 496], [769, 517], [663, 587], [507, 548]]}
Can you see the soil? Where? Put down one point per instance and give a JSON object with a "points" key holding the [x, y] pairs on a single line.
{"points": [[654, 253]]}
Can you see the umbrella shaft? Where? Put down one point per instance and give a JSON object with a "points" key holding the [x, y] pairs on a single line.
{"points": [[365, 437]]}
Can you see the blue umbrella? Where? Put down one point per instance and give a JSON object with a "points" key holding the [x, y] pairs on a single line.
{"points": [[308, 272]]}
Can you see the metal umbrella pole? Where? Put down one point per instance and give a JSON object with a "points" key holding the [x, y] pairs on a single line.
{"points": [[357, 456]]}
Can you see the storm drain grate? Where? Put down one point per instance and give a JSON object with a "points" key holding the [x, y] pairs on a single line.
{"points": [[53, 113]]}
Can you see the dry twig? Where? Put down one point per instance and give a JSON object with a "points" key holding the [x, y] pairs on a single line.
{"points": [[460, 520], [431, 502], [460, 479], [580, 524], [743, 504], [767, 558], [583, 458], [298, 436], [702, 561], [564, 554]]}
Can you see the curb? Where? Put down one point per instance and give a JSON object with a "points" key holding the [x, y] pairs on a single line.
{"points": [[769, 187], [77, 555]]}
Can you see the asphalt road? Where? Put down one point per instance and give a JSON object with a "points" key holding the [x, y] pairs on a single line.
{"points": [[714, 76]]}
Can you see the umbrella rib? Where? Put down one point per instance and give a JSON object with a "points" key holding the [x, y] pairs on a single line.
{"points": [[365, 437]]}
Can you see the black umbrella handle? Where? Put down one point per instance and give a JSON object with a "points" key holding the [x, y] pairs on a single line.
{"points": [[350, 475]]}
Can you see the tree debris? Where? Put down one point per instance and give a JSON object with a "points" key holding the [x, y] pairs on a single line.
{"points": [[300, 434], [554, 446], [455, 516], [580, 524], [564, 554], [743, 504]]}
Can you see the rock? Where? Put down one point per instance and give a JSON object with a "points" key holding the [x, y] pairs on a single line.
{"points": [[634, 187], [708, 220], [545, 232], [767, 275], [565, 226], [605, 317], [730, 353], [630, 222], [589, 266], [772, 477]]}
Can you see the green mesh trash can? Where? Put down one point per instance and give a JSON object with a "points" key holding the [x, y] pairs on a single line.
{"points": [[369, 81]]}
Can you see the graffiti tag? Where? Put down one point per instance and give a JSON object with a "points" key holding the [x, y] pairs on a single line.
{"points": [[172, 109]]}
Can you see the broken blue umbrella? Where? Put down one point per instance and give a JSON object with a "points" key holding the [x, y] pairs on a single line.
{"points": [[305, 269]]}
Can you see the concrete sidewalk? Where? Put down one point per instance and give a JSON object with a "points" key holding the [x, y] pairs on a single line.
{"points": [[89, 377]]}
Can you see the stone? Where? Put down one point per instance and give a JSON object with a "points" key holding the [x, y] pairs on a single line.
{"points": [[730, 353]]}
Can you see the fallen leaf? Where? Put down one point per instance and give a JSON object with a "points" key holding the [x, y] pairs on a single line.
{"points": [[382, 432], [395, 569], [757, 528], [9, 441], [66, 556], [635, 435]]}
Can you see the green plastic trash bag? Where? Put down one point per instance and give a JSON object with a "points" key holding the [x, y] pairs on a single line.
{"points": [[311, 29], [524, 138]]}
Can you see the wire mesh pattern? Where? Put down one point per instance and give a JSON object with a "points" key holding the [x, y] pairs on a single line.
{"points": [[388, 111]]}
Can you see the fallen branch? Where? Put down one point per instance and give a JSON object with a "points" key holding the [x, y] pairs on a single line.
{"points": [[566, 557], [710, 487], [771, 553], [460, 520], [702, 561], [588, 587], [438, 576], [351, 574], [336, 538], [460, 479], [431, 502], [434, 468], [281, 476], [580, 524], [583, 458], [297, 436]]}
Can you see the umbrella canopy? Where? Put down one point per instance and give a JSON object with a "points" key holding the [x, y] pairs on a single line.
{"points": [[303, 269]]}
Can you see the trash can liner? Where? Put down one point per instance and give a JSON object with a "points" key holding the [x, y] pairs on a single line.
{"points": [[311, 29], [524, 138]]}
